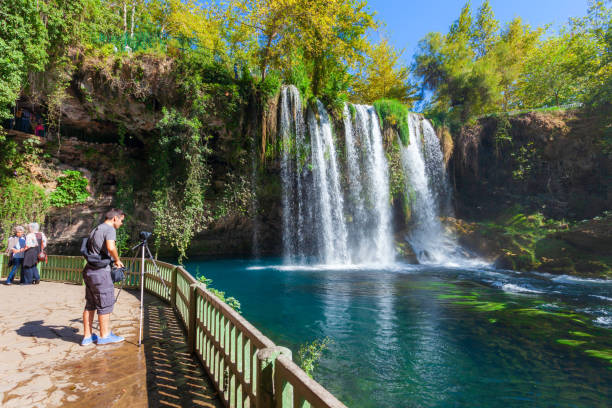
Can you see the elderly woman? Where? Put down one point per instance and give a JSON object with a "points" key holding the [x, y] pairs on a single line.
{"points": [[35, 245], [16, 247]]}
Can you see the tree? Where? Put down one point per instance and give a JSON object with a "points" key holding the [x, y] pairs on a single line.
{"points": [[383, 77], [484, 32], [515, 45], [23, 46]]}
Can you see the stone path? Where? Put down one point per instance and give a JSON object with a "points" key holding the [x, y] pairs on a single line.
{"points": [[43, 365]]}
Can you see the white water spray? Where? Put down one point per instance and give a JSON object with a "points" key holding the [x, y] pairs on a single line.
{"points": [[428, 192]]}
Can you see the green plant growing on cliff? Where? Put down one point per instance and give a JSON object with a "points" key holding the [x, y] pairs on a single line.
{"points": [[524, 159], [393, 114], [230, 300], [71, 189], [309, 354], [180, 177], [236, 197], [21, 202], [396, 172]]}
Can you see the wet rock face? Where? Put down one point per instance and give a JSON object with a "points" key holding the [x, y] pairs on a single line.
{"points": [[114, 98], [591, 235], [547, 162], [583, 249]]}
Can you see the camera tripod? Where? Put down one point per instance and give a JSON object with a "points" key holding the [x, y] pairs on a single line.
{"points": [[144, 246]]}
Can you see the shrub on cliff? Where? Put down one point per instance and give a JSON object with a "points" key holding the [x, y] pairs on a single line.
{"points": [[392, 113], [71, 189]]}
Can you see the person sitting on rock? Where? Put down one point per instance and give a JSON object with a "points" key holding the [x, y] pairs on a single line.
{"points": [[99, 288]]}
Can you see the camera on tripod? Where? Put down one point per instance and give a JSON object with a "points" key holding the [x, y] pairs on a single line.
{"points": [[144, 236]]}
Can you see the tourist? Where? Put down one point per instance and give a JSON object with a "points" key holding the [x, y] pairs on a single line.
{"points": [[99, 288], [18, 120], [40, 130], [36, 242], [16, 248], [25, 121]]}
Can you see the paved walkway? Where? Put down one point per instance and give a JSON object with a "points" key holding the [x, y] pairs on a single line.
{"points": [[43, 365]]}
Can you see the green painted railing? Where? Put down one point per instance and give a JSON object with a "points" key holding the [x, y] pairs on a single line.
{"points": [[246, 367]]}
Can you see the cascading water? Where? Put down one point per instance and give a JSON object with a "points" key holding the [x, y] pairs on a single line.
{"points": [[292, 131], [330, 222], [318, 223], [428, 192], [368, 179]]}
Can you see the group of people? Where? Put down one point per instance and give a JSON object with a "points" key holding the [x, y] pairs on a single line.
{"points": [[24, 252], [24, 121]]}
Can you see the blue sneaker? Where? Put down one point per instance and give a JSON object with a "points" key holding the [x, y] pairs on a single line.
{"points": [[111, 338], [89, 340]]}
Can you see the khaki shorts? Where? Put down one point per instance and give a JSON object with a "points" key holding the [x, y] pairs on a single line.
{"points": [[99, 290]]}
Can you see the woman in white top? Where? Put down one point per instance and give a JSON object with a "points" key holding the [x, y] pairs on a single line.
{"points": [[36, 242]]}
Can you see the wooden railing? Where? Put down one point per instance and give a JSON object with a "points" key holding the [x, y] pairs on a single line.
{"points": [[246, 367]]}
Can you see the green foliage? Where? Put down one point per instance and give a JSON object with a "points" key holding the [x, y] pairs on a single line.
{"points": [[230, 301], [180, 177], [236, 198], [383, 77], [394, 114], [309, 354], [524, 159], [21, 202], [71, 189], [479, 68], [23, 44]]}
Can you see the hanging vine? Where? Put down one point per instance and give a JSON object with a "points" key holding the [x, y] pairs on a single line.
{"points": [[180, 179]]}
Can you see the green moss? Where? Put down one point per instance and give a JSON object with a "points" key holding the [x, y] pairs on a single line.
{"points": [[539, 312], [352, 110], [456, 297], [571, 342], [580, 334], [603, 354], [483, 306], [392, 113]]}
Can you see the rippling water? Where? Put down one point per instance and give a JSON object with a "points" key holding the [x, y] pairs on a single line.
{"points": [[422, 336]]}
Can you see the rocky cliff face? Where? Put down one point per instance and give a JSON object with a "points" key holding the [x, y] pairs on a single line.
{"points": [[547, 162]]}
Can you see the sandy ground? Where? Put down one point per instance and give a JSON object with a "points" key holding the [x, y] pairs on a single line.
{"points": [[42, 363]]}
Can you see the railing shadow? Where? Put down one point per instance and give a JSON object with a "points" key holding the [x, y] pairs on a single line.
{"points": [[174, 377]]}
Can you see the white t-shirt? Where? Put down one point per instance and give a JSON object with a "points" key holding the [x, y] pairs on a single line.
{"points": [[31, 240]]}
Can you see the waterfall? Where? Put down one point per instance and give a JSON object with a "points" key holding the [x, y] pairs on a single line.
{"points": [[329, 225], [428, 192], [318, 221], [292, 131], [368, 180]]}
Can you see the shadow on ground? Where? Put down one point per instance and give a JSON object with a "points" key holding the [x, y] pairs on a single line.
{"points": [[174, 377], [37, 328]]}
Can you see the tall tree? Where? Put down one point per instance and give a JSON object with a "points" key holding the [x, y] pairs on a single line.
{"points": [[23, 45], [485, 29], [383, 77]]}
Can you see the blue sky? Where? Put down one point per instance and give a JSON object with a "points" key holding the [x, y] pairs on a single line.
{"points": [[408, 21]]}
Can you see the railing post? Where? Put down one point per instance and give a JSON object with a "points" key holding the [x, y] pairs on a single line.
{"points": [[3, 262], [266, 360], [173, 288], [191, 327]]}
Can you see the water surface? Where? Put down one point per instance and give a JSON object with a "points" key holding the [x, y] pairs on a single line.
{"points": [[423, 336]]}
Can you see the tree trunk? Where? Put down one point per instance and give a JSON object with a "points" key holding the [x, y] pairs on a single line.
{"points": [[133, 13], [124, 17], [264, 60]]}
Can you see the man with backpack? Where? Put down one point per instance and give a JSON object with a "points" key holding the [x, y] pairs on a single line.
{"points": [[99, 288]]}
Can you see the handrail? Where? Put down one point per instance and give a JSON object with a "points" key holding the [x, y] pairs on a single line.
{"points": [[245, 366]]}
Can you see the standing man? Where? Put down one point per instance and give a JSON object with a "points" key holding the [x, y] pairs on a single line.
{"points": [[99, 288]]}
